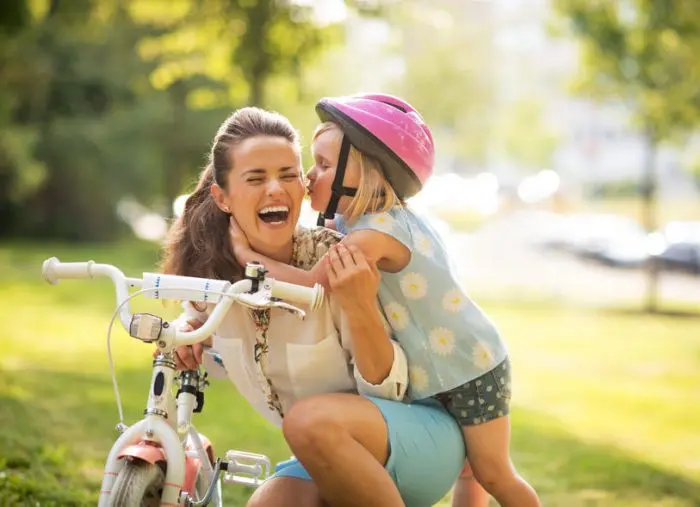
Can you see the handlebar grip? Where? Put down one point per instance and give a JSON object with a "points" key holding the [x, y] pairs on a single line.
{"points": [[312, 296], [53, 270]]}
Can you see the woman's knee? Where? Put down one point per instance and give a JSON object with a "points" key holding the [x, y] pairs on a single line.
{"points": [[311, 423], [277, 492]]}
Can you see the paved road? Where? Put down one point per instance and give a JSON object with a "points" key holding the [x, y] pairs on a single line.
{"points": [[499, 259]]}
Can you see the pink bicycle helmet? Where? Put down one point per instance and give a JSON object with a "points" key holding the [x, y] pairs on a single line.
{"points": [[386, 128]]}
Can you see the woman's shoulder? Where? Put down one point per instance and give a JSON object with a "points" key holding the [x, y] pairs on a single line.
{"points": [[312, 244]]}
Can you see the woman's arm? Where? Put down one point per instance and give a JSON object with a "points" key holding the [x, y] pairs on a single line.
{"points": [[381, 367]]}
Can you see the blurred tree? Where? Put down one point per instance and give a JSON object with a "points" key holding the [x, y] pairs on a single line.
{"points": [[643, 53], [243, 43], [527, 138], [447, 75], [221, 54], [14, 18], [86, 121], [75, 137]]}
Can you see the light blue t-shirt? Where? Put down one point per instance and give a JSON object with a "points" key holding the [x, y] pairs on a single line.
{"points": [[448, 340]]}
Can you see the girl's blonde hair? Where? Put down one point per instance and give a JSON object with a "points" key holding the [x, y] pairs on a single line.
{"points": [[374, 193]]}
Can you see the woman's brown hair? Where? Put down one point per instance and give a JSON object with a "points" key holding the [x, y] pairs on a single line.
{"points": [[198, 241]]}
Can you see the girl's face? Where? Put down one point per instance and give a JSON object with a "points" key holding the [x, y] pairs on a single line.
{"points": [[264, 190], [326, 149]]}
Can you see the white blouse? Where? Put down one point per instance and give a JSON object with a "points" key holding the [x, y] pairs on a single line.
{"points": [[303, 358]]}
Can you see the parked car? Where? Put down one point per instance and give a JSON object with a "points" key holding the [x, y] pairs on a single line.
{"points": [[676, 246], [681, 256], [625, 252], [679, 231]]}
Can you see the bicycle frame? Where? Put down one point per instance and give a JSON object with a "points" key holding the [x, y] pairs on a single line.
{"points": [[166, 432], [156, 438]]}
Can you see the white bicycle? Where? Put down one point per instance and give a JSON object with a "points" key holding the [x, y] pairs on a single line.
{"points": [[162, 459]]}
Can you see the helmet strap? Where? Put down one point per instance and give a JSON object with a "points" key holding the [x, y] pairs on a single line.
{"points": [[337, 188]]}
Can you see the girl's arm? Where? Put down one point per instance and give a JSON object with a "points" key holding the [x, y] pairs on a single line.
{"points": [[385, 251], [382, 250], [285, 272], [278, 270]]}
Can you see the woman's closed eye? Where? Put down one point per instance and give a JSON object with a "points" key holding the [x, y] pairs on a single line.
{"points": [[284, 177]]}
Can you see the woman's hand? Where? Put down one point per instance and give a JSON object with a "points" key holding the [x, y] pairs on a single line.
{"points": [[239, 242], [189, 357], [353, 279]]}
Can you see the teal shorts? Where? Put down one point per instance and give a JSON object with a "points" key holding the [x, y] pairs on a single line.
{"points": [[426, 451]]}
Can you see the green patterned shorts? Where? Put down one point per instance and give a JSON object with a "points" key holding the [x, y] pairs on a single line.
{"points": [[480, 400]]}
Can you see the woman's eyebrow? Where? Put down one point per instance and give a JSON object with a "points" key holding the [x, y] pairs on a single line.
{"points": [[254, 171]]}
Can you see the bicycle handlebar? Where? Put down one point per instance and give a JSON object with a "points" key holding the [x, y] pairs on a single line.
{"points": [[219, 292]]}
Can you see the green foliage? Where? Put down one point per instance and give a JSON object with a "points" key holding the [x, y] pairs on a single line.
{"points": [[441, 54], [106, 99], [643, 52], [526, 136]]}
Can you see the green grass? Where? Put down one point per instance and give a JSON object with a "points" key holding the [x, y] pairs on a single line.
{"points": [[607, 409]]}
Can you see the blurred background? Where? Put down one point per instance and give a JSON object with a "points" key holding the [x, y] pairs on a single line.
{"points": [[567, 187]]}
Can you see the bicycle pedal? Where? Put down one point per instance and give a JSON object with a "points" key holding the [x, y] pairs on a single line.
{"points": [[247, 468]]}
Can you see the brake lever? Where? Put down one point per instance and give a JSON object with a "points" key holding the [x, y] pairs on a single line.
{"points": [[301, 314], [255, 301], [262, 300]]}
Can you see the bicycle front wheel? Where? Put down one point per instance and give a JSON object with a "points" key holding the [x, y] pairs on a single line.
{"points": [[139, 484]]}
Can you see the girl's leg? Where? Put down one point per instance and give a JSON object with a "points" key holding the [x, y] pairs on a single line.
{"points": [[343, 442], [488, 453], [467, 491], [278, 490]]}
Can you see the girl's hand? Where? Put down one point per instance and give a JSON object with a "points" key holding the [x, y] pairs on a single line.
{"points": [[239, 242]]}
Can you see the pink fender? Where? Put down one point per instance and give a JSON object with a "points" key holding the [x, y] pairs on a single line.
{"points": [[153, 453]]}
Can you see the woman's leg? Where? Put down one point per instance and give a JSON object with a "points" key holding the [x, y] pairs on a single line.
{"points": [[277, 492], [343, 442], [468, 492], [423, 456]]}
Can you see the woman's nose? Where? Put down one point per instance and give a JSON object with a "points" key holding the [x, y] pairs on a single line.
{"points": [[274, 187]]}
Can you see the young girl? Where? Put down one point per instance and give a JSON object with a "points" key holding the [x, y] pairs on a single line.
{"points": [[371, 153]]}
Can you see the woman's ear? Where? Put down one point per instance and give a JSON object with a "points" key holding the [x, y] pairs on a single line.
{"points": [[219, 196]]}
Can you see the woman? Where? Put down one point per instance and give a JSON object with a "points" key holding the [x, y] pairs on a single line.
{"points": [[367, 450]]}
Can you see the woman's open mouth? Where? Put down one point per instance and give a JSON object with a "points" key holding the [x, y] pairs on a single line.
{"points": [[274, 215]]}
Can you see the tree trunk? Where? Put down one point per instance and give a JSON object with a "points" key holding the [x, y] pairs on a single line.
{"points": [[258, 61], [257, 93], [178, 166], [649, 217]]}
